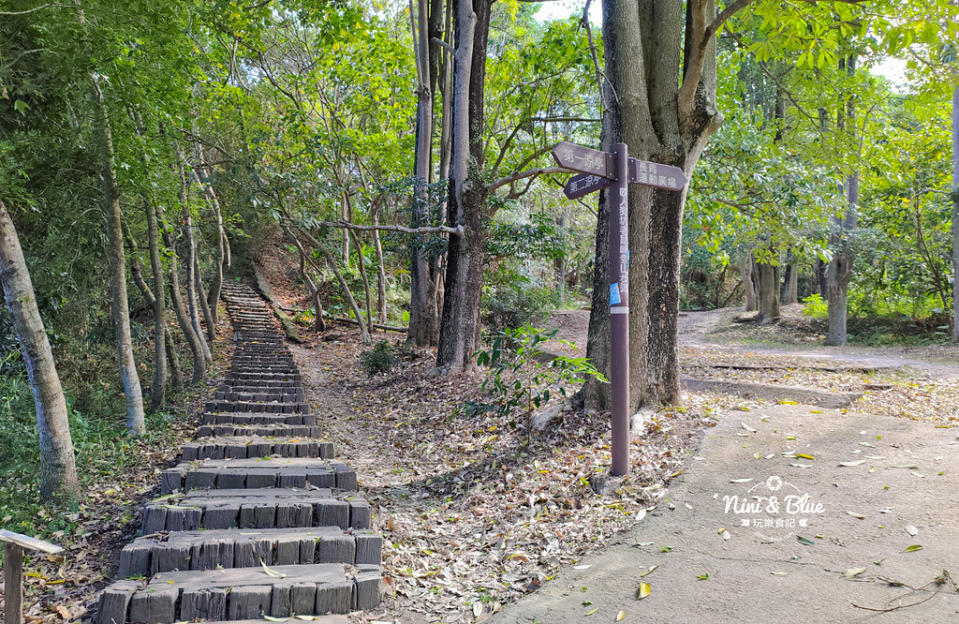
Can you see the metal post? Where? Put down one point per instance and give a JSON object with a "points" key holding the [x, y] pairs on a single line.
{"points": [[619, 309]]}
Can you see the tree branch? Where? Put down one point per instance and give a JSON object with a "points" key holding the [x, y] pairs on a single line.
{"points": [[437, 229], [523, 174]]}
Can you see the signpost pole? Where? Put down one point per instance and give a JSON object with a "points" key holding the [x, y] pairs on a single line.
{"points": [[618, 197]]}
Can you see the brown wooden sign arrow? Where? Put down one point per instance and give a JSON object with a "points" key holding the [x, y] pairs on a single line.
{"points": [[583, 159], [583, 184], [655, 174]]}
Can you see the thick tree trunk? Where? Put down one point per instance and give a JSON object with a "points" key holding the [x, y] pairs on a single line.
{"points": [[821, 280], [58, 472], [768, 293], [791, 284], [595, 394], [422, 318], [463, 281], [749, 289], [176, 298], [129, 378]]}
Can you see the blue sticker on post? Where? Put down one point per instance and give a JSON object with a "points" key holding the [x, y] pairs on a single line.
{"points": [[614, 298]]}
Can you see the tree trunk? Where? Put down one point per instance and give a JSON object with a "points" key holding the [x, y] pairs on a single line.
{"points": [[176, 298], [361, 265], [202, 300], [955, 215], [768, 293], [664, 115], [422, 319], [176, 376], [840, 268], [222, 262], [821, 280], [58, 471], [749, 289], [129, 378], [190, 262], [791, 284], [595, 394], [380, 271], [463, 281], [158, 391]]}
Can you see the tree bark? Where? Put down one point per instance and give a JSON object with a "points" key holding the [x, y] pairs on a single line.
{"points": [[463, 281], [791, 284], [361, 265], [955, 215], [222, 254], [595, 394], [176, 298], [190, 262], [58, 471], [202, 300], [749, 290], [380, 271], [840, 268], [129, 378], [158, 391], [768, 293], [660, 99], [422, 318]]}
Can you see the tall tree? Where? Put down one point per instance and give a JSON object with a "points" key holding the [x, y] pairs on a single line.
{"points": [[117, 259], [840, 268], [57, 464]]}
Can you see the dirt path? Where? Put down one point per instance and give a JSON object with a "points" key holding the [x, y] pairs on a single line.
{"points": [[863, 527]]}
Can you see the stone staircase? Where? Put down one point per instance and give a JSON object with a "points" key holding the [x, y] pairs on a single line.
{"points": [[258, 520]]}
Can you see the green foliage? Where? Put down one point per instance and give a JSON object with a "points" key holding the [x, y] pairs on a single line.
{"points": [[516, 304], [521, 375], [379, 359], [814, 306]]}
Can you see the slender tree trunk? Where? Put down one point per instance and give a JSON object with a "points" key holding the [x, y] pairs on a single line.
{"points": [[158, 391], [749, 289], [220, 265], [176, 375], [821, 280], [58, 472], [361, 264], [176, 298], [380, 271], [955, 215], [346, 215], [331, 262], [840, 267], [129, 378], [190, 262], [422, 319], [202, 300], [319, 324], [467, 197]]}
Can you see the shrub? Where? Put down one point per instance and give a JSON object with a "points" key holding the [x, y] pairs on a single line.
{"points": [[511, 307], [815, 306], [521, 375], [379, 359]]}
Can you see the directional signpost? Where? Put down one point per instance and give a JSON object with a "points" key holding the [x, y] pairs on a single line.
{"points": [[599, 170]]}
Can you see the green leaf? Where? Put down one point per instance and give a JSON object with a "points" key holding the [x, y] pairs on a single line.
{"points": [[913, 548], [805, 541]]}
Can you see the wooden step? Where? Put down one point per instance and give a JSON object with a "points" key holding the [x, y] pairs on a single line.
{"points": [[266, 508], [241, 447], [242, 593], [258, 473], [263, 430], [235, 548], [257, 418]]}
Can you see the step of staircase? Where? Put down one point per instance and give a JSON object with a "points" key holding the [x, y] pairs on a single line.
{"points": [[242, 593], [265, 508], [256, 418], [236, 548], [259, 430], [242, 447], [258, 473]]}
